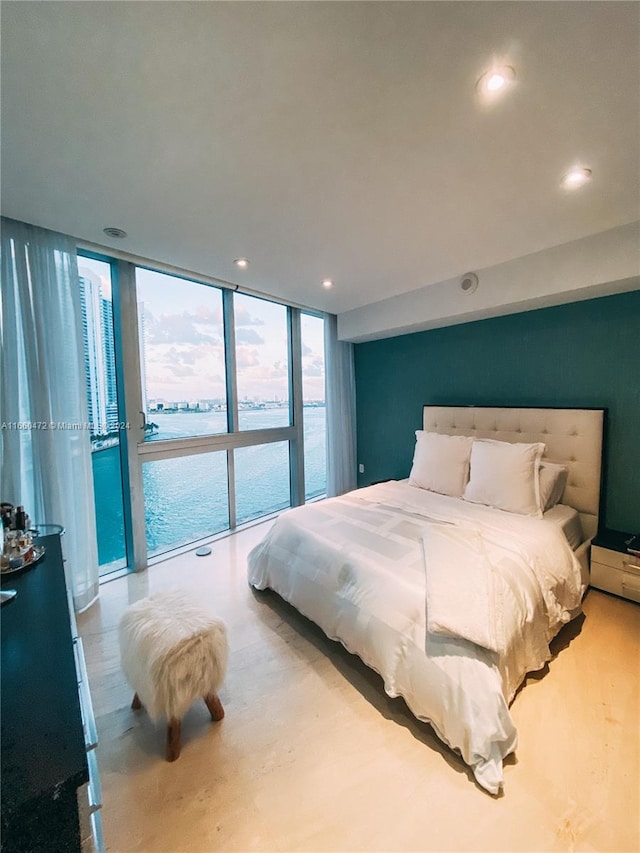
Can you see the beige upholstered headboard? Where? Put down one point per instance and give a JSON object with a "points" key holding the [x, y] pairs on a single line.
{"points": [[572, 436]]}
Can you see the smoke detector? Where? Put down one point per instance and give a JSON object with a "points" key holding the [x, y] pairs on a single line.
{"points": [[469, 282]]}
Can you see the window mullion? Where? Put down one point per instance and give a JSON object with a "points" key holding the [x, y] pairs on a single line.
{"points": [[231, 486], [296, 447], [232, 394], [230, 360], [126, 319]]}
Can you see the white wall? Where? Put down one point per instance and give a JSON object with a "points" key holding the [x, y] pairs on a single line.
{"points": [[603, 264]]}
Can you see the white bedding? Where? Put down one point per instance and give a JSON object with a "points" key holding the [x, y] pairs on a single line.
{"points": [[568, 520], [356, 566]]}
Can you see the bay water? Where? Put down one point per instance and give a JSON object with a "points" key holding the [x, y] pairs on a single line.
{"points": [[186, 498]]}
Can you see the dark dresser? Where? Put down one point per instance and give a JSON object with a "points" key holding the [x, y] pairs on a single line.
{"points": [[46, 794]]}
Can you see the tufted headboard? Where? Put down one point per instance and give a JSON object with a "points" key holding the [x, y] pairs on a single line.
{"points": [[572, 436]]}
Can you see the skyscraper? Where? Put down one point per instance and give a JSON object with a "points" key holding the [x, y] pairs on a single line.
{"points": [[99, 355]]}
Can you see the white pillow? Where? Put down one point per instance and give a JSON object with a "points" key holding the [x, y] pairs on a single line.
{"points": [[505, 476], [553, 479], [441, 463]]}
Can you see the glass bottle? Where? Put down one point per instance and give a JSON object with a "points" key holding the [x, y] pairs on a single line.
{"points": [[21, 519]]}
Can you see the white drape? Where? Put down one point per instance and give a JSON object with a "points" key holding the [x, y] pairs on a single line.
{"points": [[340, 390], [45, 454]]}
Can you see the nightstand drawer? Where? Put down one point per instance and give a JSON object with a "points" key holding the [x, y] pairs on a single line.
{"points": [[619, 581], [621, 560]]}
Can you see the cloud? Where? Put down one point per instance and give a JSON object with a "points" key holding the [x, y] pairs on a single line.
{"points": [[254, 371], [175, 372], [179, 329], [306, 350], [313, 366], [206, 314], [174, 356], [280, 369], [171, 383], [246, 357], [248, 336], [181, 369], [244, 318], [312, 370]]}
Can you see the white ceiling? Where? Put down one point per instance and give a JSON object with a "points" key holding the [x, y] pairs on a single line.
{"points": [[320, 139]]}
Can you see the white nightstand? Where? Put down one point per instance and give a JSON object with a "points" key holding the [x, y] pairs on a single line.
{"points": [[613, 567]]}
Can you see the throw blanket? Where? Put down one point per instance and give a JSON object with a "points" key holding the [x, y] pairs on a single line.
{"points": [[498, 596], [467, 596]]}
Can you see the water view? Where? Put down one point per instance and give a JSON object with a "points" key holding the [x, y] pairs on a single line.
{"points": [[186, 498], [183, 372]]}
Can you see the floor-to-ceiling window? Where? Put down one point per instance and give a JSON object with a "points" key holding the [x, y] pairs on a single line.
{"points": [[262, 471], [225, 394], [182, 356], [262, 362], [105, 424], [186, 498], [183, 383]]}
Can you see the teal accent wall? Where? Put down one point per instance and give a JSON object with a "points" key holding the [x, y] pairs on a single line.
{"points": [[586, 354]]}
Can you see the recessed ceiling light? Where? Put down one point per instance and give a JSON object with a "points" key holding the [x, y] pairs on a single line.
{"points": [[327, 282], [117, 233], [495, 81], [243, 263], [576, 178]]}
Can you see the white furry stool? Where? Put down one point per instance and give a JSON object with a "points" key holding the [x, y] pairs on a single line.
{"points": [[173, 652]]}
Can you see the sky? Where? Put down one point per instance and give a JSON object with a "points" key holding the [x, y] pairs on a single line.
{"points": [[184, 347]]}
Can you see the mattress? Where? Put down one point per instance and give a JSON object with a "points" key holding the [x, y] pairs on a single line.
{"points": [[568, 520]]}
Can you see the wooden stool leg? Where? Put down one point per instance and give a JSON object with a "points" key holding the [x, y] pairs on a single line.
{"points": [[215, 706], [173, 739], [136, 704]]}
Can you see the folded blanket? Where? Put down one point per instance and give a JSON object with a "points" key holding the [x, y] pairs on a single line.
{"points": [[477, 590], [463, 594]]}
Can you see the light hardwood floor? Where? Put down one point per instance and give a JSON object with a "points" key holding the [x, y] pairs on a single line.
{"points": [[313, 756]]}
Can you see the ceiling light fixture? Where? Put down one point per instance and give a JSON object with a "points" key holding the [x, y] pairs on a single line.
{"points": [[242, 263], [327, 282], [576, 177], [495, 81], [116, 233]]}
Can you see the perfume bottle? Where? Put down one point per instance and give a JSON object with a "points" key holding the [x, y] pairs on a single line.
{"points": [[6, 510], [21, 518]]}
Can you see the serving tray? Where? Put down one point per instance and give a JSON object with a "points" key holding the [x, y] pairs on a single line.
{"points": [[37, 553]]}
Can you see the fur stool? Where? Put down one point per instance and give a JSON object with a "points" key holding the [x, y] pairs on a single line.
{"points": [[173, 652]]}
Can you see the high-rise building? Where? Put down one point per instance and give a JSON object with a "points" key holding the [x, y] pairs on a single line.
{"points": [[99, 355], [110, 363]]}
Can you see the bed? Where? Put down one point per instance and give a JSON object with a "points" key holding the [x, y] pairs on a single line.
{"points": [[452, 600]]}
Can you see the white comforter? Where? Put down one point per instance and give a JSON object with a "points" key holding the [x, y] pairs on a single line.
{"points": [[395, 573]]}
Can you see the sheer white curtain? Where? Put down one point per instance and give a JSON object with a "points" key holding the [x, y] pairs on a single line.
{"points": [[45, 454], [340, 389]]}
